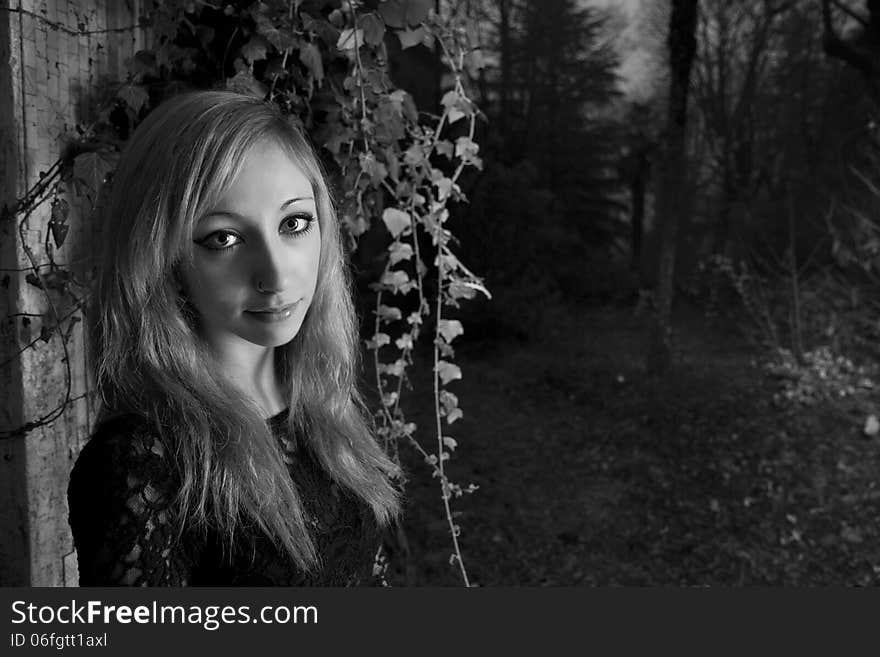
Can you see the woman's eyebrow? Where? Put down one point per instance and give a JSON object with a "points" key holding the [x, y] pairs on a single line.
{"points": [[294, 200], [236, 215]]}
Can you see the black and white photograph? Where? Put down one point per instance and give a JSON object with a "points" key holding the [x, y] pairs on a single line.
{"points": [[438, 294]]}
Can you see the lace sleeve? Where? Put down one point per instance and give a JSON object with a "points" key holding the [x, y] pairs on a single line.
{"points": [[120, 496]]}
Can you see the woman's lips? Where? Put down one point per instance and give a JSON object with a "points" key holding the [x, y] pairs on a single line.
{"points": [[270, 315]]}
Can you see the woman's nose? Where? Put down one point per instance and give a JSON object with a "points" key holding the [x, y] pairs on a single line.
{"points": [[271, 270]]}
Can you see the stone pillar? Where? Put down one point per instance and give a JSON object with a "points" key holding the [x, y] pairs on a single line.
{"points": [[53, 55]]}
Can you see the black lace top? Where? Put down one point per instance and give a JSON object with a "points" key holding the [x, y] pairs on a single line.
{"points": [[121, 497]]}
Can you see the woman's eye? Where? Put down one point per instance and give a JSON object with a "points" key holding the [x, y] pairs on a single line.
{"points": [[220, 240], [298, 223]]}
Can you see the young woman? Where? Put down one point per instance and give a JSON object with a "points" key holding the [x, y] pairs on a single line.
{"points": [[232, 446]]}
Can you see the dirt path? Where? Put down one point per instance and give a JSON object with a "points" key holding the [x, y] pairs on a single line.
{"points": [[592, 474]]}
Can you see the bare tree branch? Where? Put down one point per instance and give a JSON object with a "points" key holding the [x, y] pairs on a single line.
{"points": [[835, 46], [849, 11]]}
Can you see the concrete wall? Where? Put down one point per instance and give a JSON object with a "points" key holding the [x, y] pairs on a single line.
{"points": [[54, 55]]}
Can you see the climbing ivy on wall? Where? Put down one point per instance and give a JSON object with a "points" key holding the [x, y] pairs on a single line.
{"points": [[396, 167]]}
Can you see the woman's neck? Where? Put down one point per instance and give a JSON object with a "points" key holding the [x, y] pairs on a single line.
{"points": [[252, 370]]}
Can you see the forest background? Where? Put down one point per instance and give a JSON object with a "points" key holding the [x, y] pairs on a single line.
{"points": [[660, 278]]}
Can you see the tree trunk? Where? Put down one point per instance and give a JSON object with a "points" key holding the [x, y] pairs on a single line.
{"points": [[504, 91], [682, 47], [726, 207], [638, 187]]}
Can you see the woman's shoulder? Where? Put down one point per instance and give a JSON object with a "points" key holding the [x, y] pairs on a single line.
{"points": [[125, 450], [121, 498]]}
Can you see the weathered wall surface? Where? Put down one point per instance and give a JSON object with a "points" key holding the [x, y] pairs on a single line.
{"points": [[54, 55]]}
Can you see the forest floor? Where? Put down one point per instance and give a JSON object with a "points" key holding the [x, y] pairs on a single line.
{"points": [[591, 473]]}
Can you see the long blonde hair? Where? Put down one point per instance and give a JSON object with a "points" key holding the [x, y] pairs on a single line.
{"points": [[149, 360]]}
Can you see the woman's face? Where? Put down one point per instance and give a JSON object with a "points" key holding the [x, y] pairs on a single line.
{"points": [[256, 255]]}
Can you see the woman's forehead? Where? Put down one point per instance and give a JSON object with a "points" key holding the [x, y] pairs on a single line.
{"points": [[266, 173]]}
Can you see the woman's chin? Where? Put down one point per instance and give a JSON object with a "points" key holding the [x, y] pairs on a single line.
{"points": [[272, 335]]}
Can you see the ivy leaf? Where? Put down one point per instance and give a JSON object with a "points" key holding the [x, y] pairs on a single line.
{"points": [[393, 164], [444, 147], [449, 329], [450, 442], [400, 13], [378, 340], [449, 400], [448, 261], [332, 136], [349, 40], [444, 188], [465, 289], [205, 35], [372, 167], [385, 129], [91, 169], [355, 223], [336, 17], [393, 369], [452, 103], [404, 342], [448, 371], [325, 30], [388, 313], [374, 29], [397, 221], [398, 96], [255, 50], [59, 232], [390, 117], [280, 38], [134, 96], [414, 155], [445, 349], [450, 406], [60, 210], [310, 56], [397, 281], [142, 63], [475, 60], [404, 105], [399, 251], [409, 38], [466, 149], [244, 82], [393, 12]]}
